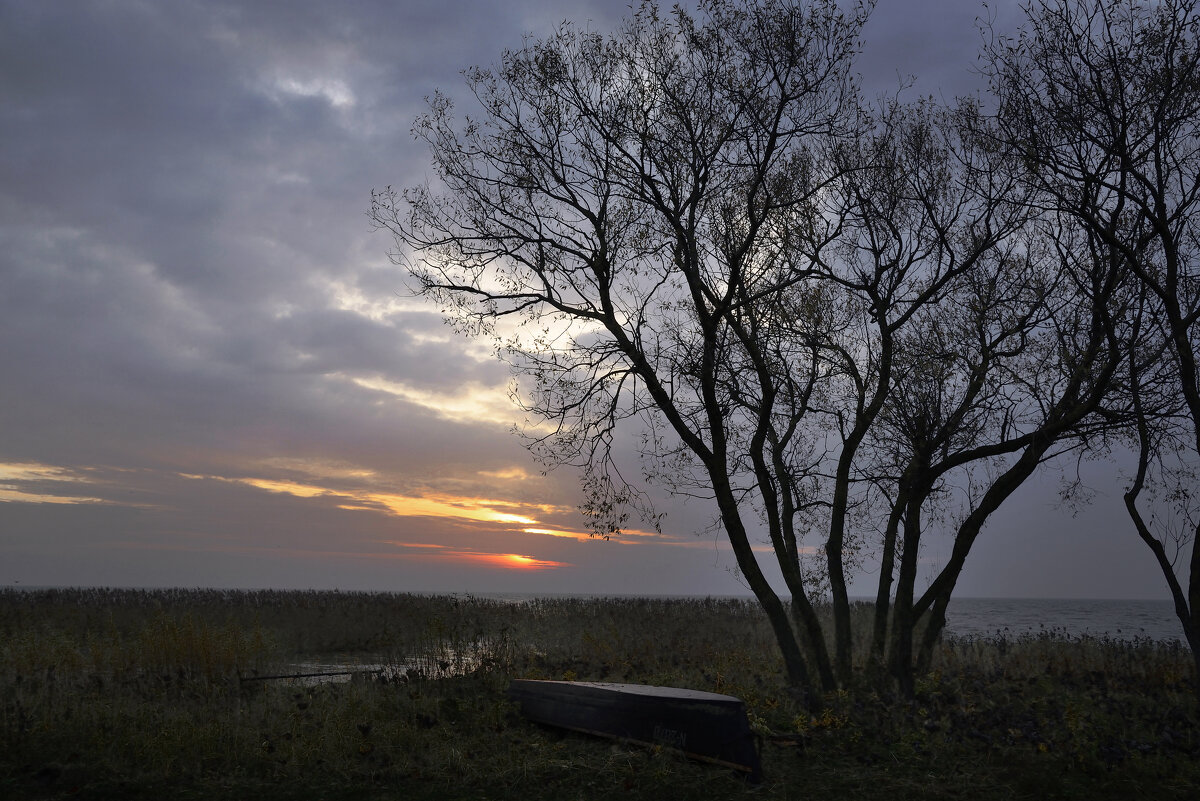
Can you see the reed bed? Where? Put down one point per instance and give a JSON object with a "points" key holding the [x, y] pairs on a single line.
{"points": [[141, 694]]}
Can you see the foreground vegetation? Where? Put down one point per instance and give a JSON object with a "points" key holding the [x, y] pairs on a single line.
{"points": [[137, 694]]}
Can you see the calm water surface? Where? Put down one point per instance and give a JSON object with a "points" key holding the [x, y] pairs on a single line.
{"points": [[1013, 617], [1010, 617]]}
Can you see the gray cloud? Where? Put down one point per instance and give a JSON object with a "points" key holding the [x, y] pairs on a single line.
{"points": [[188, 284]]}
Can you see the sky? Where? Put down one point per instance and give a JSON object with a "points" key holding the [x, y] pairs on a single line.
{"points": [[211, 375]]}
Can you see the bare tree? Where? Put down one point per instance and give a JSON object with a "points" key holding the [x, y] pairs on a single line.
{"points": [[999, 370], [632, 204], [1102, 102], [932, 237], [818, 316]]}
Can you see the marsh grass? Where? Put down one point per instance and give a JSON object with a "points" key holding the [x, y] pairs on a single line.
{"points": [[109, 694]]}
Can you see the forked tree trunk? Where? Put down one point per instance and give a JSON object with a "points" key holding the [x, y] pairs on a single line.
{"points": [[1188, 614], [883, 596], [900, 660], [793, 658]]}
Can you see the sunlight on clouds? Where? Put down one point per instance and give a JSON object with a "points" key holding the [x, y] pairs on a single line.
{"points": [[508, 517], [354, 507], [344, 297], [504, 517], [408, 552], [626, 537], [509, 474], [382, 309], [31, 471], [290, 487], [10, 494], [11, 475], [268, 484], [553, 532], [332, 90], [483, 510], [475, 403], [319, 468]]}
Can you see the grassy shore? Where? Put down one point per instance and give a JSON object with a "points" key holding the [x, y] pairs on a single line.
{"points": [[147, 694]]}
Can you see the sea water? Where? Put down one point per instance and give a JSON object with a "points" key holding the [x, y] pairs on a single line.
{"points": [[1014, 617]]}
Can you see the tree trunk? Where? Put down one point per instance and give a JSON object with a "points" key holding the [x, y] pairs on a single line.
{"points": [[937, 597], [793, 659], [806, 620], [1187, 613], [884, 594], [900, 658]]}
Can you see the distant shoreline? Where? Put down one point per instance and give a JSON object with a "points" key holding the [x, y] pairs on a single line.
{"points": [[1112, 618], [528, 595]]}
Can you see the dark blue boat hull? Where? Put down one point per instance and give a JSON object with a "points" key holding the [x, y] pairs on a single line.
{"points": [[704, 725]]}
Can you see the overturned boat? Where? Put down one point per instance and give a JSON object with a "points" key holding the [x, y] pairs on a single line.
{"points": [[703, 725]]}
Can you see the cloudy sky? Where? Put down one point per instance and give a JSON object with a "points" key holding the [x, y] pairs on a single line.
{"points": [[211, 374]]}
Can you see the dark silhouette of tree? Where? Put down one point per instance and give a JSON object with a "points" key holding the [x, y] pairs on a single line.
{"points": [[640, 207], [820, 316], [932, 252], [1101, 100], [1003, 369]]}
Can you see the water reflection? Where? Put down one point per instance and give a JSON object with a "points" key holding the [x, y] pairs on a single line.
{"points": [[334, 670]]}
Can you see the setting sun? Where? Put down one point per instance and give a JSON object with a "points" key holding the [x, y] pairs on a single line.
{"points": [[514, 561]]}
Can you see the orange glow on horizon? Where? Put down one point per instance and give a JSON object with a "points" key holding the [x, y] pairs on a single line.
{"points": [[422, 551], [509, 561], [512, 561], [506, 516], [469, 531], [484, 510]]}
